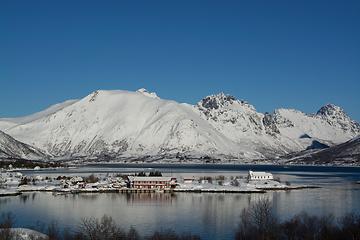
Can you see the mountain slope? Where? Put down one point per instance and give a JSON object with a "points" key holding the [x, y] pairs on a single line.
{"points": [[348, 152], [286, 131], [120, 123], [13, 149], [113, 124]]}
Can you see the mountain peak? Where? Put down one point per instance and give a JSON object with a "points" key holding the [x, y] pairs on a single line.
{"points": [[222, 101], [337, 116], [217, 101], [331, 110], [147, 93]]}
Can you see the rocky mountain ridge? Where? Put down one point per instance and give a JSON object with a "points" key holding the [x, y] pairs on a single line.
{"points": [[122, 124]]}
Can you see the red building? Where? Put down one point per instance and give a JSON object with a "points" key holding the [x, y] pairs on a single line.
{"points": [[152, 182]]}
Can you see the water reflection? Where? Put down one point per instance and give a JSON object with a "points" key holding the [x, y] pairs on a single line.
{"points": [[206, 214], [210, 215], [158, 198], [26, 197]]}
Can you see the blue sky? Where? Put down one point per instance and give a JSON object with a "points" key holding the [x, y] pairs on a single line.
{"points": [[273, 54]]}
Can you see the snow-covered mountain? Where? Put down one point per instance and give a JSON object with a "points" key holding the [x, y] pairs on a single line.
{"points": [[348, 152], [286, 131], [137, 124], [13, 149]]}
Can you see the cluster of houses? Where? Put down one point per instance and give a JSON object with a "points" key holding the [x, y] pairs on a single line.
{"points": [[135, 182], [79, 182], [163, 183]]}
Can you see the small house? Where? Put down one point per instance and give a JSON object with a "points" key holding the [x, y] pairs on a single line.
{"points": [[39, 178], [76, 179], [81, 184], [188, 180]]}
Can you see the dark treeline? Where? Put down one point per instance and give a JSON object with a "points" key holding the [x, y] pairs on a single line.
{"points": [[257, 222], [89, 229], [20, 163]]}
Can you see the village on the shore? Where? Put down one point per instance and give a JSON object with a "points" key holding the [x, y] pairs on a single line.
{"points": [[13, 182]]}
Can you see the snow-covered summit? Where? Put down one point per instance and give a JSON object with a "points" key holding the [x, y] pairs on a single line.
{"points": [[222, 101], [217, 101], [336, 116], [331, 110], [147, 93]]}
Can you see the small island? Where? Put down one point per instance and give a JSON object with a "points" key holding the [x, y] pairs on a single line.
{"points": [[14, 183]]}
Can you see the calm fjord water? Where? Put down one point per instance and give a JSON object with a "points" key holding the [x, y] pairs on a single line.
{"points": [[210, 215]]}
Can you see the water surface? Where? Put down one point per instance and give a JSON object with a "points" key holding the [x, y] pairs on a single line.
{"points": [[210, 215]]}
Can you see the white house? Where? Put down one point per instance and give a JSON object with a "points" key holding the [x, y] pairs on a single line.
{"points": [[38, 177], [259, 176], [76, 179], [189, 180]]}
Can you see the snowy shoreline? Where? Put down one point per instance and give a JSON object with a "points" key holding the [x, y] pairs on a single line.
{"points": [[12, 185]]}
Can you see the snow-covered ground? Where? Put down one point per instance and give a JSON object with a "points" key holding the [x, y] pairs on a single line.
{"points": [[243, 185], [27, 234]]}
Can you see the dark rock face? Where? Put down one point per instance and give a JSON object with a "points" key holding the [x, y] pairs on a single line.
{"points": [[270, 125], [331, 110], [216, 101], [281, 121]]}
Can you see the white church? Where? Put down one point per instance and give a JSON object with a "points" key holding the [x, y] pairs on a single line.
{"points": [[259, 176]]}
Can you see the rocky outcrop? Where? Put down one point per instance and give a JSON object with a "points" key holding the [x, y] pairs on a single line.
{"points": [[270, 125], [337, 117]]}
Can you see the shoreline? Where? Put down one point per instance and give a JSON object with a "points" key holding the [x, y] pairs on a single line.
{"points": [[130, 190]]}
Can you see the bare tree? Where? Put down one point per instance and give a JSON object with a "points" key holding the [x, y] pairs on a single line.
{"points": [[105, 229], [172, 235], [7, 220], [133, 234], [350, 226], [266, 224], [258, 222], [53, 231], [6, 223], [245, 228], [235, 183]]}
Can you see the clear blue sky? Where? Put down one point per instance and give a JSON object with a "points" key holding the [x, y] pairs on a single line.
{"points": [[273, 54]]}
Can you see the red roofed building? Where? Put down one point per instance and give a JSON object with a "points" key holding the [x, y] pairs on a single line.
{"points": [[152, 182]]}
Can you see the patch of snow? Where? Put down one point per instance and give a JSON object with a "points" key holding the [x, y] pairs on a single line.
{"points": [[28, 234]]}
